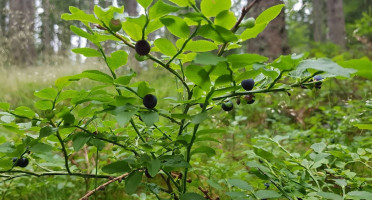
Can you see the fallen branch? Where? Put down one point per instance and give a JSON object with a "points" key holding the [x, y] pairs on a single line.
{"points": [[103, 186]]}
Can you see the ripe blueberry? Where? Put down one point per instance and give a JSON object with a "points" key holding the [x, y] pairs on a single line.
{"points": [[142, 47], [150, 101], [23, 162], [248, 84], [115, 25], [201, 105], [318, 78], [227, 106]]}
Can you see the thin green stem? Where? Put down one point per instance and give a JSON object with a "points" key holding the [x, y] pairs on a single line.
{"points": [[62, 146], [153, 155], [189, 147], [184, 45]]}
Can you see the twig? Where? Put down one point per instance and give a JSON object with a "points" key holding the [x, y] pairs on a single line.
{"points": [[245, 10], [90, 193]]}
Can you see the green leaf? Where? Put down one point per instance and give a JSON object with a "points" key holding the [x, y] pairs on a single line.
{"points": [[4, 106], [324, 65], [176, 25], [242, 60], [240, 184], [77, 14], [87, 52], [95, 75], [217, 33], [363, 65], [267, 194], [66, 94], [124, 117], [149, 117], [364, 126], [198, 75], [24, 112], [107, 14], [153, 167], [144, 3], [6, 147], [269, 14], [214, 184], [80, 140], [318, 147], [198, 45], [250, 33], [288, 62], [223, 79], [360, 194], [199, 118], [125, 80], [204, 149], [208, 58], [46, 131], [153, 26], [116, 167], [211, 8], [68, 119], [182, 3], [117, 59], [80, 32], [144, 89], [62, 82], [7, 118], [165, 46], [99, 144], [160, 9], [133, 30], [47, 93], [41, 148], [341, 182], [225, 19], [328, 195], [176, 161], [44, 105], [191, 196], [235, 195], [132, 182]]}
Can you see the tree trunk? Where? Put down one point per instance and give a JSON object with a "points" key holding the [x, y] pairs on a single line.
{"points": [[130, 7], [47, 30], [272, 42], [318, 15], [336, 22], [2, 17], [21, 32]]}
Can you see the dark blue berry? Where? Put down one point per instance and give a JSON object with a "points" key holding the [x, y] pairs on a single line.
{"points": [[142, 47], [248, 84], [227, 106], [150, 101]]}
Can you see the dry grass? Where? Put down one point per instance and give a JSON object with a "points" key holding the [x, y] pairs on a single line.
{"points": [[17, 84]]}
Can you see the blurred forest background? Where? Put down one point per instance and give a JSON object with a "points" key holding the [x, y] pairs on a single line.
{"points": [[32, 33]]}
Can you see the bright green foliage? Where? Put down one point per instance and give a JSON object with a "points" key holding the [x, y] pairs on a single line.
{"points": [[106, 130]]}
